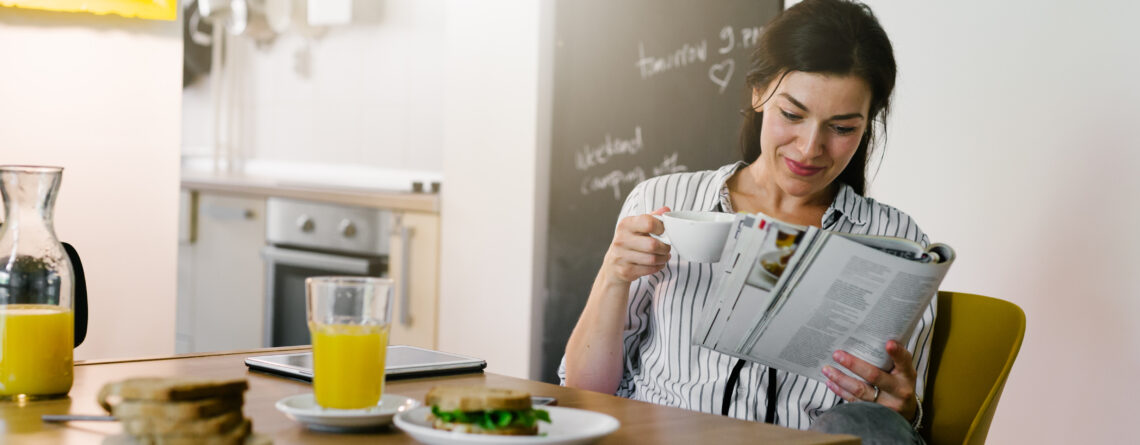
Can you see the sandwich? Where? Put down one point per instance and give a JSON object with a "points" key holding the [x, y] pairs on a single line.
{"points": [[483, 410]]}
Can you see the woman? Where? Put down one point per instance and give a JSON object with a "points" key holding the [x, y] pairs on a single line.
{"points": [[821, 85]]}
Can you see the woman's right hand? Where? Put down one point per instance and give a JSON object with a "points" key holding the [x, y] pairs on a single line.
{"points": [[595, 350], [633, 253]]}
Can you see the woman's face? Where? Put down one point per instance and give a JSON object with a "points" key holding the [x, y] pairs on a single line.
{"points": [[812, 126]]}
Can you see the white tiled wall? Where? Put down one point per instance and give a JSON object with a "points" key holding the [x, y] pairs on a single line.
{"points": [[372, 95]]}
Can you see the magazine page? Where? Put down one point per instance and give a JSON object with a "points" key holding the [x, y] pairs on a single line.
{"points": [[848, 297], [903, 248], [745, 234], [773, 281], [764, 249]]}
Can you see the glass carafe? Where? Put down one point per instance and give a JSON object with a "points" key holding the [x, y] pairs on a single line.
{"points": [[36, 288]]}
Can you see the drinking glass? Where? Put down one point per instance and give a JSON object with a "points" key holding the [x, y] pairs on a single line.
{"points": [[349, 319]]}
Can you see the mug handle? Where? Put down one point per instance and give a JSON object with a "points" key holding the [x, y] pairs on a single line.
{"points": [[662, 237], [80, 300]]}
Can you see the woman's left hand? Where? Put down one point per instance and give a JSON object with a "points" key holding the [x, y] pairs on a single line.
{"points": [[895, 388]]}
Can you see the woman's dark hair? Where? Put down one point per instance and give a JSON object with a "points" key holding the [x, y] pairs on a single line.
{"points": [[838, 37]]}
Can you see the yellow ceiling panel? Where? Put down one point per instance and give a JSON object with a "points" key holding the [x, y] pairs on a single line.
{"points": [[143, 9]]}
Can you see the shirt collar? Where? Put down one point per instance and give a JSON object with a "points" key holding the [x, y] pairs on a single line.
{"points": [[721, 178], [847, 203]]}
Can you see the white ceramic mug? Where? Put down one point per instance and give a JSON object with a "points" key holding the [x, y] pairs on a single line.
{"points": [[696, 236]]}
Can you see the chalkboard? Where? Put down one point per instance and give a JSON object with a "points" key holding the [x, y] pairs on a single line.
{"points": [[641, 88]]}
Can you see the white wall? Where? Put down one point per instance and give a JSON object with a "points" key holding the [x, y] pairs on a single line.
{"points": [[1014, 140], [99, 95], [490, 196]]}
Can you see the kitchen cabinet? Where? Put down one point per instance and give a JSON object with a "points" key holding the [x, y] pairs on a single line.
{"points": [[414, 263], [221, 277]]}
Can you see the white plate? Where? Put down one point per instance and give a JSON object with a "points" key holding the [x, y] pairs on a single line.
{"points": [[568, 426], [303, 408]]}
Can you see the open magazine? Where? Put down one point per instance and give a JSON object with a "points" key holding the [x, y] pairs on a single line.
{"points": [[788, 296]]}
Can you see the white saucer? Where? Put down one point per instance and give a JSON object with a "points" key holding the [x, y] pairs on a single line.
{"points": [[303, 408], [568, 426]]}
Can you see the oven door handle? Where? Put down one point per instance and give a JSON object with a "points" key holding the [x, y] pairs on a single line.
{"points": [[405, 276], [314, 260]]}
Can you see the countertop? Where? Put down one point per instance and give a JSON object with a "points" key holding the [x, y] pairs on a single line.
{"points": [[239, 184]]}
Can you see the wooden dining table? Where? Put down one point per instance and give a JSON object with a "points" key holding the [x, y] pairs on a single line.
{"points": [[20, 422]]}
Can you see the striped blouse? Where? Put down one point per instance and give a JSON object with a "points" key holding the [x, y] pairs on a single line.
{"points": [[661, 363]]}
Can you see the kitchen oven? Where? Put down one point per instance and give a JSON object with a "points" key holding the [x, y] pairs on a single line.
{"points": [[305, 239]]}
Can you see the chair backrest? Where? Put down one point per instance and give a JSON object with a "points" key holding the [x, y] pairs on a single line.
{"points": [[976, 340]]}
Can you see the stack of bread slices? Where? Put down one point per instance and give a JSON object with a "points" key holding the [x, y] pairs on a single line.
{"points": [[176, 411]]}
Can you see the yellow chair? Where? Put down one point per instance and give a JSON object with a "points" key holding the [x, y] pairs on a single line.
{"points": [[976, 340]]}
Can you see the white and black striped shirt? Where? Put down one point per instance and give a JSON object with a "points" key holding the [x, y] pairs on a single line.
{"points": [[663, 366]]}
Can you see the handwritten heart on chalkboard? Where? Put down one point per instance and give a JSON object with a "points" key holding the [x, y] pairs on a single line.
{"points": [[721, 73]]}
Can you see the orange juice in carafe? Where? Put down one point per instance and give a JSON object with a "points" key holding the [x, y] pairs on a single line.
{"points": [[36, 344], [348, 364]]}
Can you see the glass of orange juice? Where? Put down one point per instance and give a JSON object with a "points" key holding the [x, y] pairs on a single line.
{"points": [[348, 322], [37, 288]]}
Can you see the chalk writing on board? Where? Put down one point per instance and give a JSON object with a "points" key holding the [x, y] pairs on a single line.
{"points": [[720, 73], [612, 181], [749, 36], [598, 155], [726, 35], [685, 55], [616, 179], [668, 166]]}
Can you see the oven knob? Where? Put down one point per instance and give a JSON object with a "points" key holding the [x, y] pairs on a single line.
{"points": [[347, 228], [306, 224]]}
